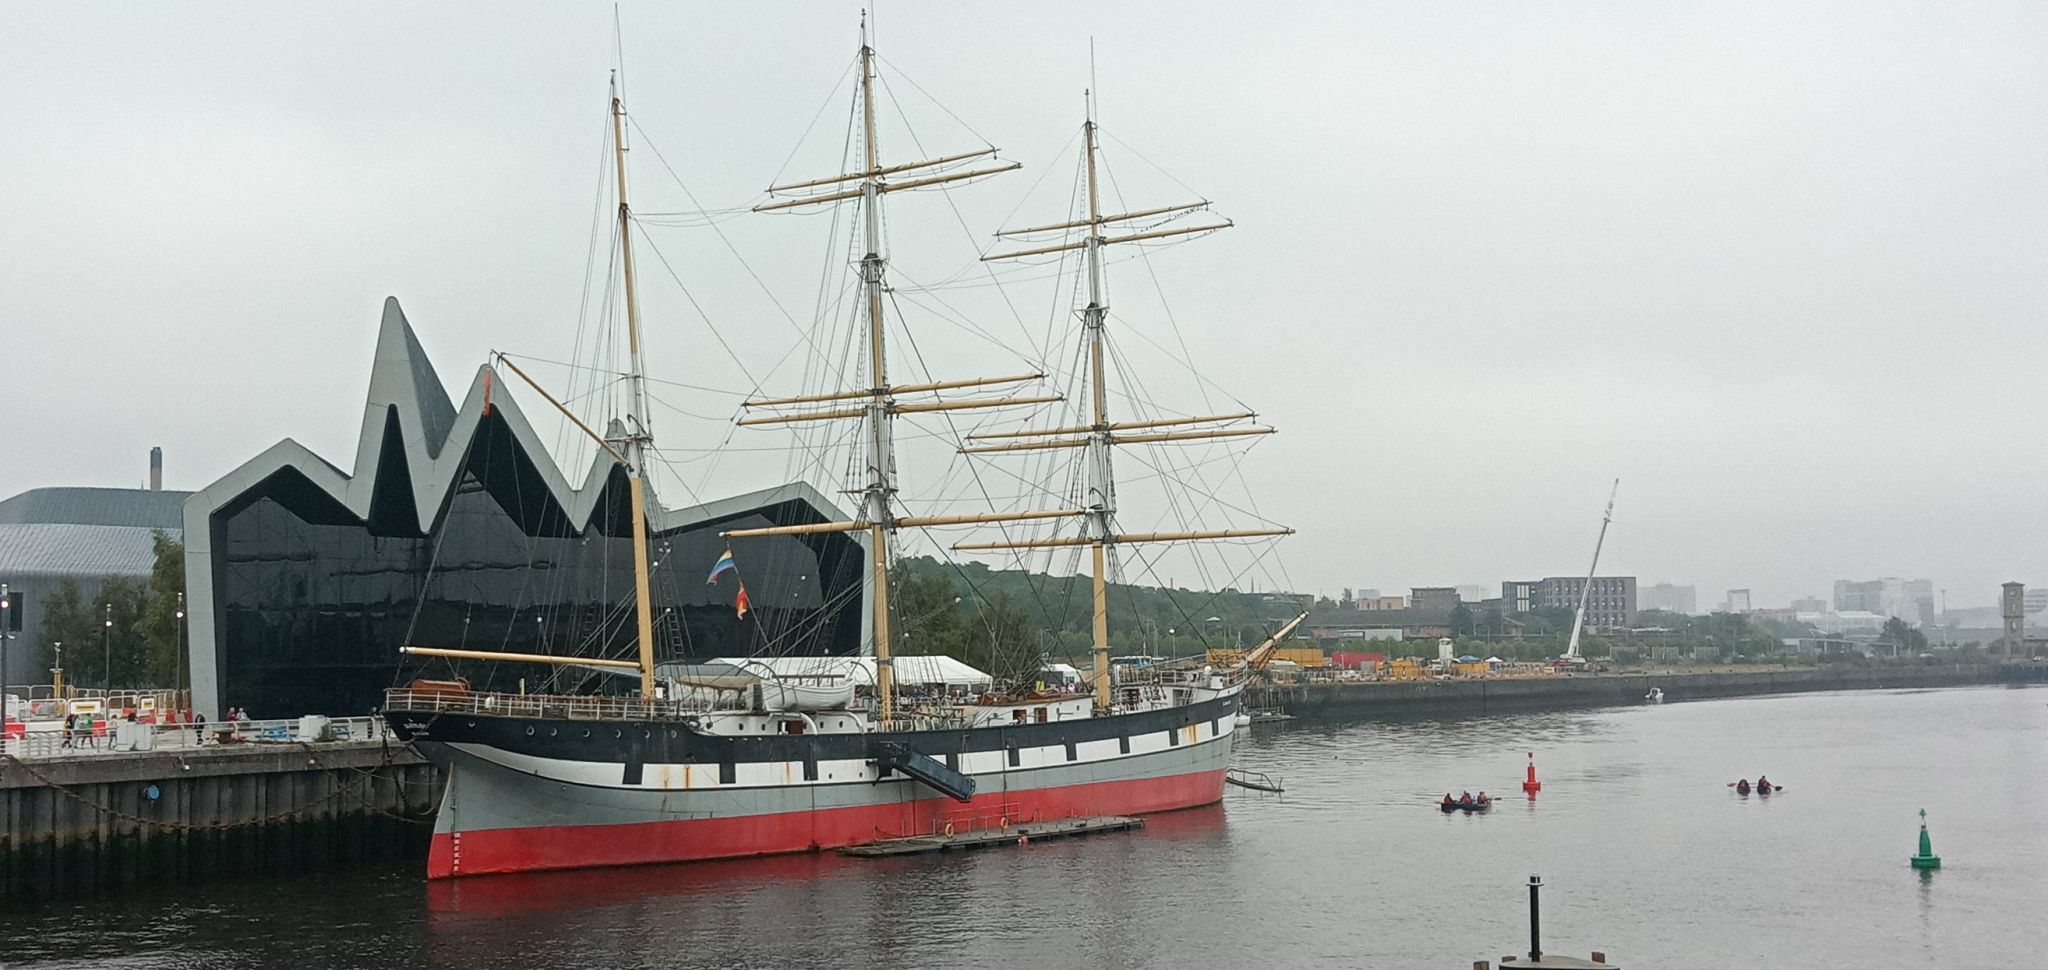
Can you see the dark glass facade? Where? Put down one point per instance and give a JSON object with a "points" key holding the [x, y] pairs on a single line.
{"points": [[312, 602]]}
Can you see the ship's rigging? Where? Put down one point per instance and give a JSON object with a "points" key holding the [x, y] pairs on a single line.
{"points": [[874, 403]]}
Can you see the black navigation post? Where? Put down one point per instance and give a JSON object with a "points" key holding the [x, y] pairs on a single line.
{"points": [[1535, 925]]}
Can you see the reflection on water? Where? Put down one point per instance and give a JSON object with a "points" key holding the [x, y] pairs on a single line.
{"points": [[1645, 851]]}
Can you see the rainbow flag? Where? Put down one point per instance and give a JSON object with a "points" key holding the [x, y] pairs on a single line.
{"points": [[722, 566], [740, 604]]}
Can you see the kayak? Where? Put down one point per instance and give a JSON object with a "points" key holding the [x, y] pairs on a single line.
{"points": [[1449, 807]]}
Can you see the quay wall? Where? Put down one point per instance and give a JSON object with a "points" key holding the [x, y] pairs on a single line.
{"points": [[1486, 695], [98, 820]]}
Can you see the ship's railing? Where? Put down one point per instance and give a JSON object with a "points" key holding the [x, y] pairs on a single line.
{"points": [[979, 817], [570, 707]]}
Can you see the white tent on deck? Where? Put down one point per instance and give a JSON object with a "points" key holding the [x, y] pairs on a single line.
{"points": [[936, 671]]}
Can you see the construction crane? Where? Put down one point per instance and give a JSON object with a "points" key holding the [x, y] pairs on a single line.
{"points": [[1571, 650]]}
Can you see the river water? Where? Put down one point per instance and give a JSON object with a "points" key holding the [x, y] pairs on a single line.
{"points": [[1644, 852]]}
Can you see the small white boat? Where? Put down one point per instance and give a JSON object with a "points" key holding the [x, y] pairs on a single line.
{"points": [[782, 695], [1243, 719], [1655, 696]]}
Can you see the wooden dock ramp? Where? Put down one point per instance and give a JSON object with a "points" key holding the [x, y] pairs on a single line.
{"points": [[1019, 834]]}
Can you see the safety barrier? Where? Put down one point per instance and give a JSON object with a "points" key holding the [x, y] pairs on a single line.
{"points": [[112, 737]]}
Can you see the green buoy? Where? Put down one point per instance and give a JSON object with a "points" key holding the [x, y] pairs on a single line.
{"points": [[1926, 859]]}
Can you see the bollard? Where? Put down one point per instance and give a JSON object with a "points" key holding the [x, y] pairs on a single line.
{"points": [[1535, 924]]}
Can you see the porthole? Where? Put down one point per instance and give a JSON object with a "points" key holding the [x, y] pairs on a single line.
{"points": [[647, 734], [553, 731], [586, 732], [618, 733], [529, 731], [671, 733]]}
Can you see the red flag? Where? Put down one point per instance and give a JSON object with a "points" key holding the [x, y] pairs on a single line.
{"points": [[740, 604]]}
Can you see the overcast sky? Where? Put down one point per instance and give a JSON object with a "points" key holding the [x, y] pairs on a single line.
{"points": [[1777, 266]]}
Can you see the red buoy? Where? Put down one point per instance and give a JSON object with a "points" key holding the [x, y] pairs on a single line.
{"points": [[1532, 786]]}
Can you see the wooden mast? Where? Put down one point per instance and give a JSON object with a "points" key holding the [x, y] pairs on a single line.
{"points": [[881, 405], [1102, 485], [881, 450], [638, 436], [1101, 435]]}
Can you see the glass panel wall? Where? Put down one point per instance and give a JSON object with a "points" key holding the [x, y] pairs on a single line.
{"points": [[312, 602]]}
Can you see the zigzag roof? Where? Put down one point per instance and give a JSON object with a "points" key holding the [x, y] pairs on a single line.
{"points": [[435, 437]]}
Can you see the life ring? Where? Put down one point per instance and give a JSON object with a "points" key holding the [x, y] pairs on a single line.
{"points": [[949, 830], [1003, 823]]}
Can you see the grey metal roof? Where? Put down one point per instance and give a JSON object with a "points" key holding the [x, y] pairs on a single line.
{"points": [[29, 550], [138, 507]]}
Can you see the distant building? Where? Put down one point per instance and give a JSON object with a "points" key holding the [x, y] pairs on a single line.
{"points": [[1611, 604], [1376, 603], [1470, 594], [1665, 596], [1844, 621], [1738, 601], [1433, 598], [1809, 604], [50, 535], [1341, 634], [1394, 624], [1911, 600], [1815, 646]]}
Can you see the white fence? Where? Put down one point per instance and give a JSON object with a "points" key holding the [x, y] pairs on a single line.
{"points": [[127, 736]]}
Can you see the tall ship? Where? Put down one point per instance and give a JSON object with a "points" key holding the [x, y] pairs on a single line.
{"points": [[793, 754]]}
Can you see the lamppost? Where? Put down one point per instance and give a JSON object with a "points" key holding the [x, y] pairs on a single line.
{"points": [[57, 668], [107, 672], [184, 697]]}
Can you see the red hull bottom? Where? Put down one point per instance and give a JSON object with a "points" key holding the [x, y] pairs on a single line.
{"points": [[533, 849]]}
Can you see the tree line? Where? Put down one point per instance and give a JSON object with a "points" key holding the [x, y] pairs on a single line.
{"points": [[127, 635], [1011, 622]]}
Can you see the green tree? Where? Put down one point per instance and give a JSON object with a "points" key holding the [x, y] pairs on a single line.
{"points": [[1461, 621], [65, 620], [102, 632], [927, 614], [160, 625], [1000, 638], [1902, 637]]}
